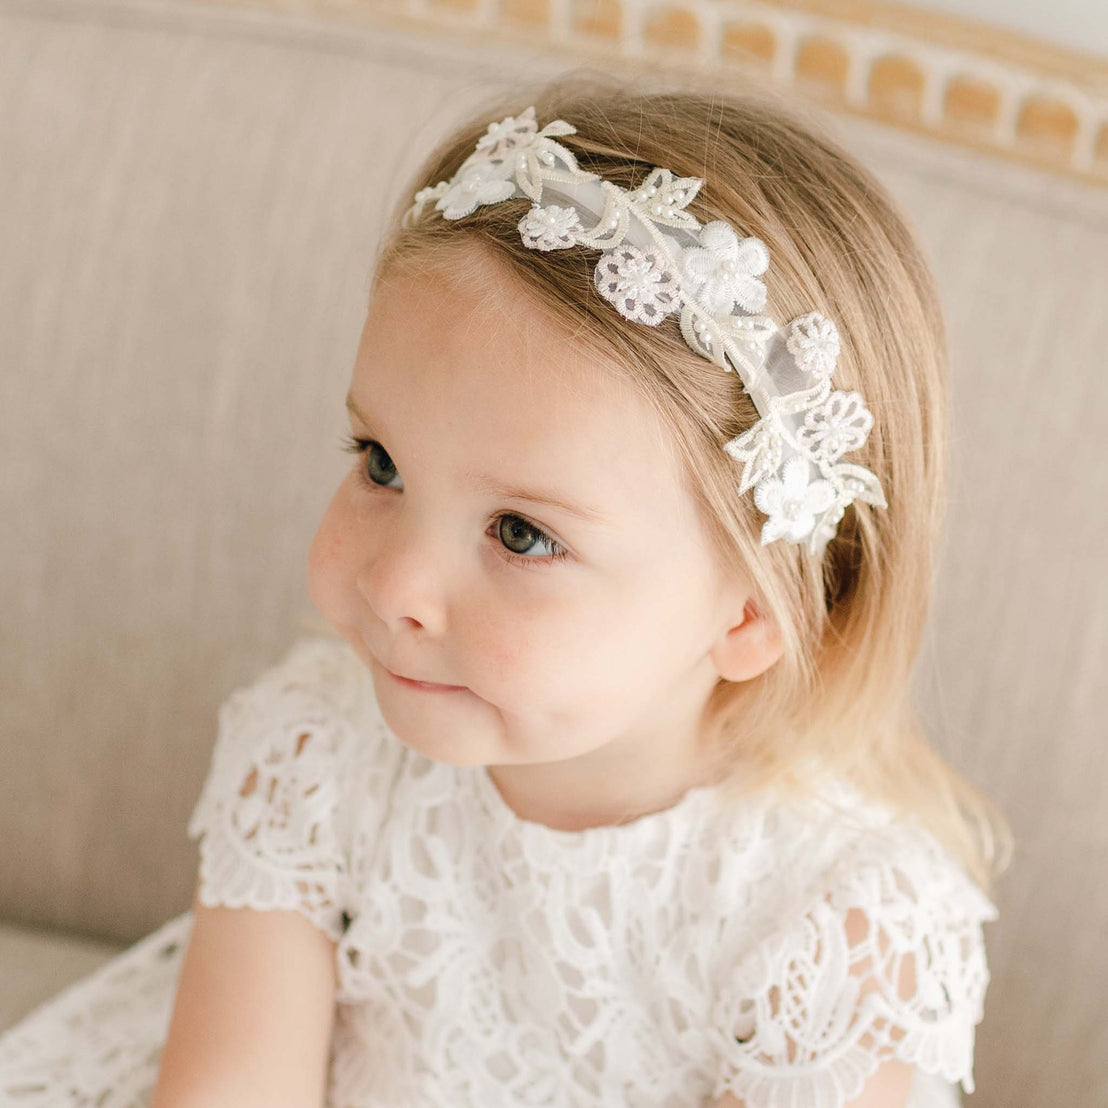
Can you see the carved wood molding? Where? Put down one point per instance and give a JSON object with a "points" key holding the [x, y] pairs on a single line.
{"points": [[961, 81]]}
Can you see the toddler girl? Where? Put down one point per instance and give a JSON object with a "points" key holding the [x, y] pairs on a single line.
{"points": [[603, 786]]}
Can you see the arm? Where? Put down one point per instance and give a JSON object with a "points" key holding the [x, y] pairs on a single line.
{"points": [[253, 1013]]}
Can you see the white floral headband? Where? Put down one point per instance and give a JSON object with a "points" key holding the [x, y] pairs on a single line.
{"points": [[711, 278]]}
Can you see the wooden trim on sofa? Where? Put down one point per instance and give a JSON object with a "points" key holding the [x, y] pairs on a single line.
{"points": [[961, 81]]}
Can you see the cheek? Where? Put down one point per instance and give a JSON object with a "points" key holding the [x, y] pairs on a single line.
{"points": [[507, 638], [545, 652], [509, 644], [330, 556]]}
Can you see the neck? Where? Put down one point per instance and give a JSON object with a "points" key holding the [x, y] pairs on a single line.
{"points": [[612, 784]]}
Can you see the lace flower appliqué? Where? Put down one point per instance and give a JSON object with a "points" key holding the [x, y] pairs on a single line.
{"points": [[637, 283], [840, 424], [711, 278], [791, 503], [475, 184], [724, 269], [550, 228], [813, 341], [513, 128]]}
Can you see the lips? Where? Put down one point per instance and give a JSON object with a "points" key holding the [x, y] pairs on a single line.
{"points": [[428, 686]]}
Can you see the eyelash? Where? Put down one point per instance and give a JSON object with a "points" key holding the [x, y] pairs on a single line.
{"points": [[359, 446]]}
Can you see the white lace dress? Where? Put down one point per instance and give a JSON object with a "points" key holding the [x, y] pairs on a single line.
{"points": [[486, 961]]}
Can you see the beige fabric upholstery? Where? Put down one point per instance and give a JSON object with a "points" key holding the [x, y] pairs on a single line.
{"points": [[36, 965], [189, 202]]}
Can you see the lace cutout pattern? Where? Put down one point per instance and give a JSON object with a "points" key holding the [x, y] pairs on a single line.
{"points": [[498, 961], [275, 813], [888, 963]]}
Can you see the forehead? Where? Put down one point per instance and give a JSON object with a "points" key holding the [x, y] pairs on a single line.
{"points": [[465, 373], [468, 307]]}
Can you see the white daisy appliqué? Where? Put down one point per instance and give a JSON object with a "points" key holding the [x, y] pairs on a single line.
{"points": [[637, 283], [479, 183], [814, 342], [791, 502], [724, 269], [840, 424], [550, 227], [523, 125]]}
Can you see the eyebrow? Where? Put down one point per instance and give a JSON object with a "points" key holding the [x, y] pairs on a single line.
{"points": [[351, 406], [491, 485]]}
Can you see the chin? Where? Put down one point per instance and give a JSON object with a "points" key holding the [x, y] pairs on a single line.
{"points": [[427, 734], [443, 750]]}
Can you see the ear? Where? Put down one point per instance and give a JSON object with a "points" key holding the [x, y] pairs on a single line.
{"points": [[749, 646]]}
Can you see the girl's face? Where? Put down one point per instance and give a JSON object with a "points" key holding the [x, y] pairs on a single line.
{"points": [[515, 527]]}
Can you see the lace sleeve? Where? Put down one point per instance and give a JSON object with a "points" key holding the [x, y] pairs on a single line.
{"points": [[887, 961], [274, 814]]}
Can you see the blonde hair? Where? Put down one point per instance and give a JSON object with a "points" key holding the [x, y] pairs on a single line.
{"points": [[838, 701]]}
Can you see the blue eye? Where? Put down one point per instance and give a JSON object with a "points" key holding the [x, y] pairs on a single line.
{"points": [[517, 522]]}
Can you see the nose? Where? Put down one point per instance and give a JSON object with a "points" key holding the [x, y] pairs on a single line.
{"points": [[403, 574]]}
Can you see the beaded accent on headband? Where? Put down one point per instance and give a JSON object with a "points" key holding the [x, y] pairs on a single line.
{"points": [[658, 261]]}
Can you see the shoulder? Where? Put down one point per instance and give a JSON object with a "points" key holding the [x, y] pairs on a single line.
{"points": [[316, 699], [869, 948], [891, 866], [315, 669], [852, 851], [302, 763]]}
